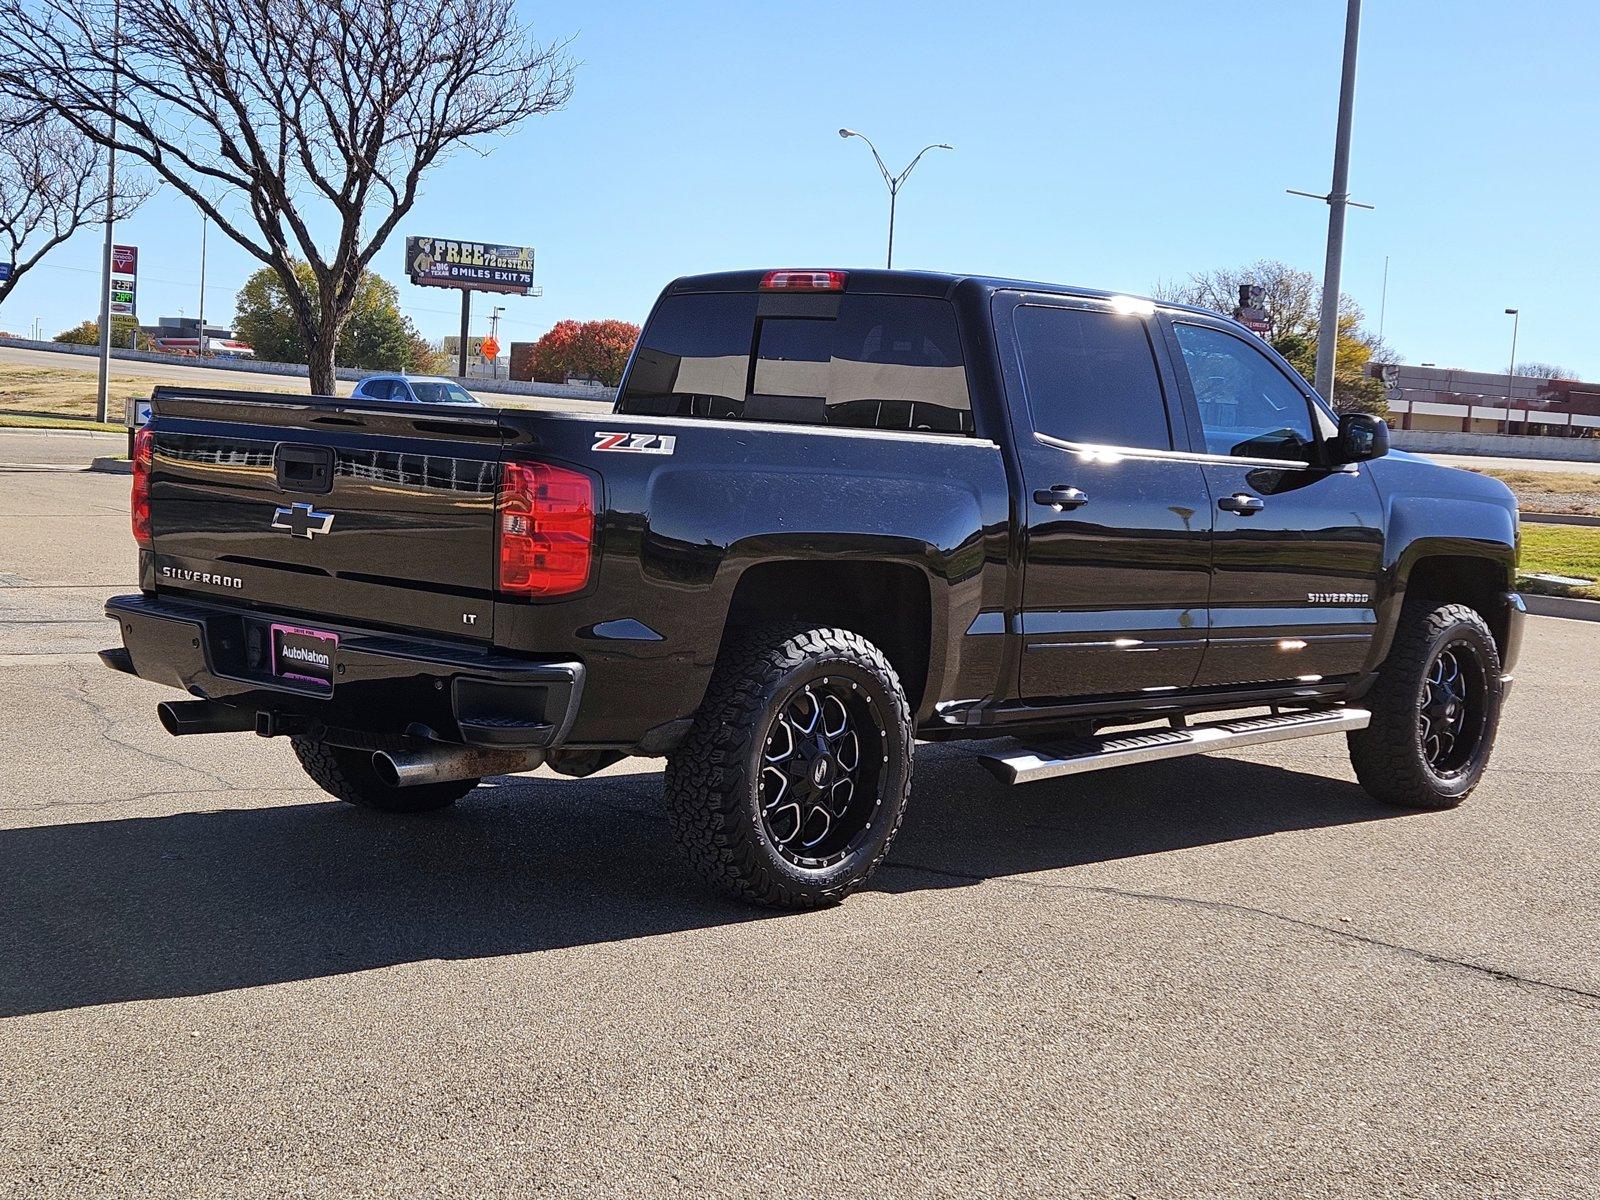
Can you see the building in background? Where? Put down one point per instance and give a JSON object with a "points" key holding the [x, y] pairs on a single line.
{"points": [[181, 335], [1446, 400]]}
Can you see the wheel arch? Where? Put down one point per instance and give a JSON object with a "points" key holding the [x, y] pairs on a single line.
{"points": [[1478, 573], [889, 603]]}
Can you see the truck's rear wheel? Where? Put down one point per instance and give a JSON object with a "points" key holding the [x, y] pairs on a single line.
{"points": [[348, 775], [794, 778], [1435, 710]]}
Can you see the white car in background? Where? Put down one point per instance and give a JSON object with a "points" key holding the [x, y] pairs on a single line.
{"points": [[414, 389]]}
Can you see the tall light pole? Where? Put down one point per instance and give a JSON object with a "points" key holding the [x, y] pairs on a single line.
{"points": [[200, 336], [894, 181], [1511, 368], [111, 216], [1383, 303], [1337, 199]]}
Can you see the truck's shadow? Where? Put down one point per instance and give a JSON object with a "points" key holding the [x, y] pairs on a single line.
{"points": [[170, 906]]}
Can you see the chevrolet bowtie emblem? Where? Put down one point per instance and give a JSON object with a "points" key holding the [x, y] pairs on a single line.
{"points": [[301, 520]]}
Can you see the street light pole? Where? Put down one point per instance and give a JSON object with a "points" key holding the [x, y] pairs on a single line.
{"points": [[1511, 368], [110, 219], [1337, 200], [1383, 303], [200, 337], [893, 181]]}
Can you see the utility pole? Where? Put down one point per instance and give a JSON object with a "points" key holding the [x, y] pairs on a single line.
{"points": [[111, 216], [200, 339], [1511, 370], [1337, 200], [1383, 303], [494, 333]]}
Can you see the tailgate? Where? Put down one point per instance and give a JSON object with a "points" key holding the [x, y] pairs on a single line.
{"points": [[378, 515]]}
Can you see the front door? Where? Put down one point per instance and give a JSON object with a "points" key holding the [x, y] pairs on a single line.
{"points": [[1298, 544], [1118, 527]]}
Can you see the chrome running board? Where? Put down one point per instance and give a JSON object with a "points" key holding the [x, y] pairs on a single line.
{"points": [[1075, 756]]}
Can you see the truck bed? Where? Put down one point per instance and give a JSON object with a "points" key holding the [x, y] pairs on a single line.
{"points": [[379, 518]]}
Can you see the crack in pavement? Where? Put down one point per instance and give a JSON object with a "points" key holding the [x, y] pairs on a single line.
{"points": [[80, 692], [1571, 994]]}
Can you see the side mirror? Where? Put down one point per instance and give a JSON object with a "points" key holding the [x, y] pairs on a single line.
{"points": [[1362, 436]]}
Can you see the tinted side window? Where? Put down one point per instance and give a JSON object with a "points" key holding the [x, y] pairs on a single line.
{"points": [[1091, 377], [378, 389], [1247, 407]]}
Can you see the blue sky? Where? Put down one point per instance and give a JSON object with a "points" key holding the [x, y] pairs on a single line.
{"points": [[1110, 144]]}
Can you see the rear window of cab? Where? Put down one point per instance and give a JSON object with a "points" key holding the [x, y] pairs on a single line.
{"points": [[848, 360]]}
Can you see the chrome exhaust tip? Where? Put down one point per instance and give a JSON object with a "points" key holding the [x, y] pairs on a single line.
{"points": [[441, 763]]}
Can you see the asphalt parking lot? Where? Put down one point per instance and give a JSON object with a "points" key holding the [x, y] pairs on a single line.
{"points": [[1223, 976]]}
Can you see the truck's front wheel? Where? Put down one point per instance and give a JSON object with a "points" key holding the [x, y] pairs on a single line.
{"points": [[1435, 709], [793, 781], [348, 774]]}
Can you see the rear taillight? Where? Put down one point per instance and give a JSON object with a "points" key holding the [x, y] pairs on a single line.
{"points": [[546, 529], [803, 281], [143, 454]]}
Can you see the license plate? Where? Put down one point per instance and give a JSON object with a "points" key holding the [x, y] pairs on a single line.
{"points": [[304, 655]]}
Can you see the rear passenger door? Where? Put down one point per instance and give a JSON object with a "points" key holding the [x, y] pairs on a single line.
{"points": [[1116, 523], [1298, 543]]}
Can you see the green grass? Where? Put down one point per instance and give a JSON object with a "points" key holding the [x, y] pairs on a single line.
{"points": [[1550, 491], [1561, 550], [37, 421]]}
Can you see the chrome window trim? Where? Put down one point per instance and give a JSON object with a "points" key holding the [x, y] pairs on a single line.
{"points": [[1194, 456]]}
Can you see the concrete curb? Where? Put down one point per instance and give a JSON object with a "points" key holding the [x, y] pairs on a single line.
{"points": [[1562, 606], [111, 466], [1536, 518]]}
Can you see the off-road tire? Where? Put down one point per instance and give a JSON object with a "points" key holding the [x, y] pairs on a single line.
{"points": [[1388, 755], [713, 781], [347, 774]]}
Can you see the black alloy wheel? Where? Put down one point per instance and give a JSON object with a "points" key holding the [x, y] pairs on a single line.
{"points": [[822, 773], [1450, 720]]}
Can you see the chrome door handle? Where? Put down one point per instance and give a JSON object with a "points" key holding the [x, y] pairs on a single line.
{"points": [[1242, 503], [1061, 497]]}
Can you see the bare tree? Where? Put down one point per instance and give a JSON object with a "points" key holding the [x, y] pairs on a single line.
{"points": [[302, 128], [1292, 298], [52, 184], [1544, 370]]}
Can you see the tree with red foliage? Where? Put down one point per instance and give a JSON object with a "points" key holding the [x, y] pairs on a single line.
{"points": [[596, 349]]}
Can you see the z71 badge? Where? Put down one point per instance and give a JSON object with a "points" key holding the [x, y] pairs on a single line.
{"points": [[636, 443]]}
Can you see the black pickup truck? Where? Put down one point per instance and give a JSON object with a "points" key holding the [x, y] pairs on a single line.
{"points": [[831, 513]]}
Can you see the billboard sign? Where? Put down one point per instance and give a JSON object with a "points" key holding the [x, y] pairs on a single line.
{"points": [[5, 272], [124, 281], [474, 266]]}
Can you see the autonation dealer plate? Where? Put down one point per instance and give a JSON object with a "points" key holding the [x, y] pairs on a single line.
{"points": [[304, 655]]}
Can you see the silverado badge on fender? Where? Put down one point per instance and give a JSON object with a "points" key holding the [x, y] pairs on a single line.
{"points": [[301, 520]]}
